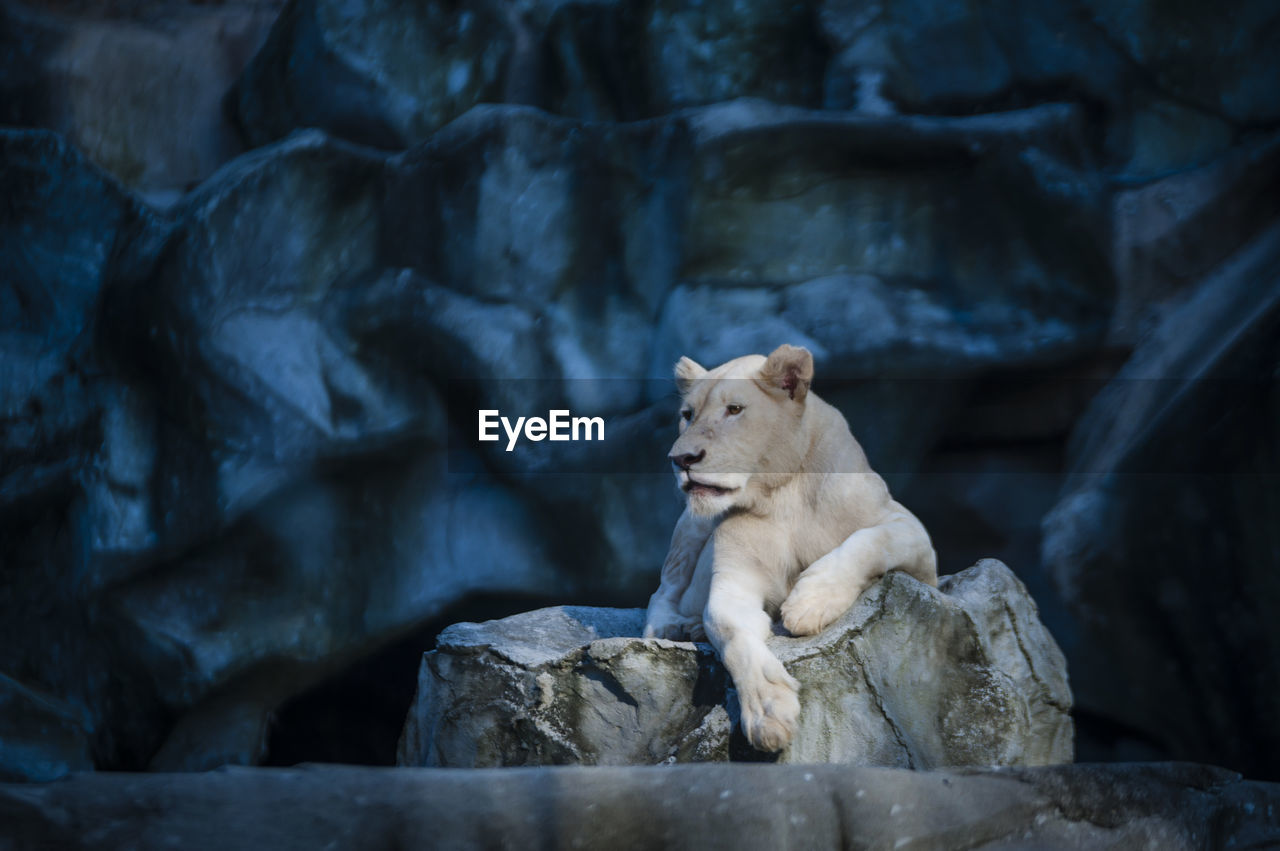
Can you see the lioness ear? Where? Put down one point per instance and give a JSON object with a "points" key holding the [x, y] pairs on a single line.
{"points": [[789, 368], [687, 371]]}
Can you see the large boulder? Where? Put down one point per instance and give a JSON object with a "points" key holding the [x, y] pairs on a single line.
{"points": [[910, 676]]}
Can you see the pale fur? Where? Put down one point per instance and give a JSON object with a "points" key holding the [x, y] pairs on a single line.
{"points": [[806, 527]]}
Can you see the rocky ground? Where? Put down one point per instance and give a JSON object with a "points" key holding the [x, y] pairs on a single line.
{"points": [[1166, 806]]}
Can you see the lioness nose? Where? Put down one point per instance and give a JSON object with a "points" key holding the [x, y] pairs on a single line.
{"points": [[687, 460]]}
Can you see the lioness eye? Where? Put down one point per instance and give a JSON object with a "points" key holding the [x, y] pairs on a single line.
{"points": [[687, 413], [733, 410]]}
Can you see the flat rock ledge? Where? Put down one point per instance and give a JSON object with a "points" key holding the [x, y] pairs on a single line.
{"points": [[910, 677], [1165, 806]]}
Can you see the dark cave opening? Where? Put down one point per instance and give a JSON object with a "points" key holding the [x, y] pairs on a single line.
{"points": [[355, 716]]}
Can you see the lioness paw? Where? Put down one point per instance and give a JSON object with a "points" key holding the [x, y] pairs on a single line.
{"points": [[808, 614], [769, 734], [769, 715]]}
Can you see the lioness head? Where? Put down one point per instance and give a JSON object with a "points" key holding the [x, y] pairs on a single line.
{"points": [[740, 433]]}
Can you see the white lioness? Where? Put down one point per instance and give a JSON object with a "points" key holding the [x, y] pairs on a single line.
{"points": [[784, 516]]}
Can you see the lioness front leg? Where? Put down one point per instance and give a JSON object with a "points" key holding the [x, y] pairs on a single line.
{"points": [[737, 625], [833, 583], [664, 619]]}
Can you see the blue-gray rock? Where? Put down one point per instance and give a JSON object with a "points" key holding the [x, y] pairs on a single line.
{"points": [[274, 392], [137, 87], [65, 233], [1178, 83], [1175, 86], [1168, 515], [911, 676], [387, 73], [1163, 805], [41, 738]]}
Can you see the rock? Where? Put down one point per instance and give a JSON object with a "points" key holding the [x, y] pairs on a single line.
{"points": [[614, 700], [65, 228], [871, 242], [976, 55], [287, 365], [387, 74], [60, 226], [213, 498], [362, 309], [1220, 63], [1166, 805], [859, 282], [41, 738], [392, 75], [722, 50], [577, 264], [1168, 516], [236, 437], [141, 96], [979, 53], [269, 391], [632, 60], [911, 677], [317, 575], [230, 326], [1172, 233]]}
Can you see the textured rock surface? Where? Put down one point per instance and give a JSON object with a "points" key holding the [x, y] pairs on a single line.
{"points": [[390, 74], [62, 223], [1134, 57], [1166, 805], [64, 228], [140, 94], [40, 738], [1172, 233], [1185, 432], [396, 73], [385, 73], [911, 677], [235, 452], [264, 392]]}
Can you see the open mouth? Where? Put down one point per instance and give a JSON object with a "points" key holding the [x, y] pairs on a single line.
{"points": [[702, 489]]}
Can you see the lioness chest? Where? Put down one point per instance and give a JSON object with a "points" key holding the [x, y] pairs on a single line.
{"points": [[777, 549]]}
